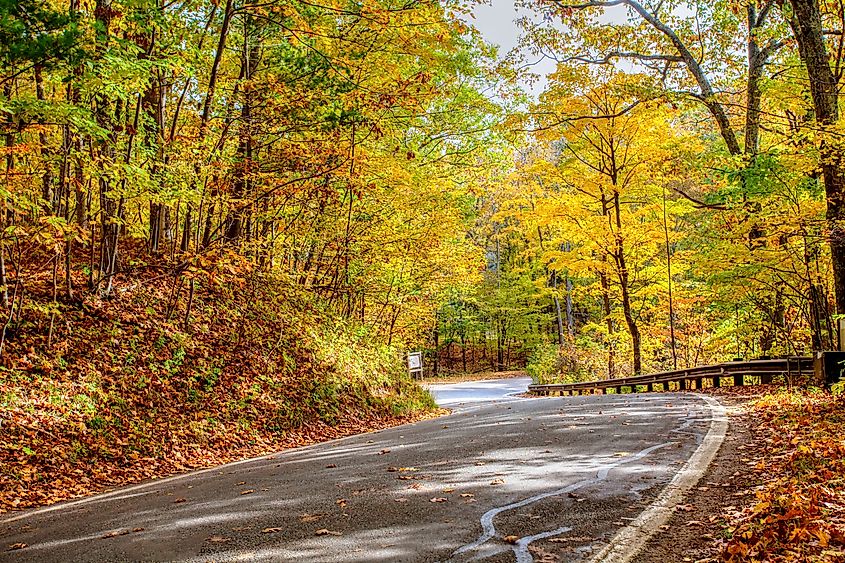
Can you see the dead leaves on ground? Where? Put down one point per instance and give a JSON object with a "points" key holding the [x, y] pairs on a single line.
{"points": [[798, 513], [112, 422]]}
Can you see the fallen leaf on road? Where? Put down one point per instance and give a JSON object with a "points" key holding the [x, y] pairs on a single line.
{"points": [[439, 499], [180, 499], [467, 495], [511, 539], [384, 451], [325, 532], [572, 539], [240, 483], [115, 533], [497, 482], [400, 499], [695, 523], [331, 466], [248, 492], [449, 490], [408, 469], [271, 530], [217, 539], [392, 469], [341, 502], [19, 545], [136, 530], [310, 517]]}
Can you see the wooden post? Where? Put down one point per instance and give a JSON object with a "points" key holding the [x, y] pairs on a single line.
{"points": [[766, 378], [619, 390], [739, 380], [717, 381], [649, 388], [699, 383]]}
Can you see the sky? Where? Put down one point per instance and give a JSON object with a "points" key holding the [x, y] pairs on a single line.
{"points": [[496, 22]]}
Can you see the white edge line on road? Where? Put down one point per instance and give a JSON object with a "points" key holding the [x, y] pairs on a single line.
{"points": [[629, 541]]}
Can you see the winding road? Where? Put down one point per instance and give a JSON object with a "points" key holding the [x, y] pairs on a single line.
{"points": [[503, 478]]}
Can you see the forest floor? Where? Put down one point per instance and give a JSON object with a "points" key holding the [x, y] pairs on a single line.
{"points": [[775, 491], [96, 393]]}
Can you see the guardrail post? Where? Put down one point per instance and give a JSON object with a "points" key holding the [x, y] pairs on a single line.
{"points": [[717, 379], [649, 388], [618, 389], [739, 380], [699, 383], [766, 378]]}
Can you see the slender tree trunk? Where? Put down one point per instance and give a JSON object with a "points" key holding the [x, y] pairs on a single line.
{"points": [[558, 311], [47, 192], [669, 280], [242, 183], [624, 283], [605, 291]]}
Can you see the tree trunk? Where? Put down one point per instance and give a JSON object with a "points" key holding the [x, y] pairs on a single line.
{"points": [[633, 329], [241, 185], [806, 26]]}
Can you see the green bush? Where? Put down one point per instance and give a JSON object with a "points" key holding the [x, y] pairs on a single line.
{"points": [[544, 364]]}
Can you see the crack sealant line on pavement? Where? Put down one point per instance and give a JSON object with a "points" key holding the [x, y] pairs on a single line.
{"points": [[629, 541], [521, 549]]}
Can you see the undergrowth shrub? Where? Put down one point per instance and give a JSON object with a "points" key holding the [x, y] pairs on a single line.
{"points": [[550, 363]]}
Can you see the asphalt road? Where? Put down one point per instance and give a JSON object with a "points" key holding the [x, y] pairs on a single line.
{"points": [[560, 476]]}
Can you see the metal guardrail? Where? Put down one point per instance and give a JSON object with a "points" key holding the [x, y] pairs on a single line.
{"points": [[688, 379]]}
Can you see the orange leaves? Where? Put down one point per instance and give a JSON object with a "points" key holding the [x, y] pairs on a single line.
{"points": [[800, 511]]}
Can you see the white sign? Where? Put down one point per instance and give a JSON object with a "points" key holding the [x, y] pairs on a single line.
{"points": [[415, 361], [415, 366]]}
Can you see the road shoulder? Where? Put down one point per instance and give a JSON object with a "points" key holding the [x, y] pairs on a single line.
{"points": [[693, 531]]}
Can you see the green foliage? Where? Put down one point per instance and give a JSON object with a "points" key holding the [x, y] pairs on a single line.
{"points": [[544, 364], [32, 32]]}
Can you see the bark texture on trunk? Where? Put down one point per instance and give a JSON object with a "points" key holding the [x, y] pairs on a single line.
{"points": [[806, 26]]}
